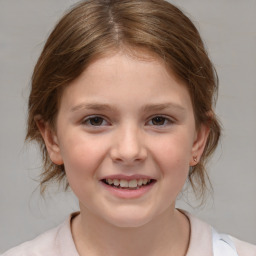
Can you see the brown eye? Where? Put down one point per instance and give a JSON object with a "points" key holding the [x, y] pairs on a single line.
{"points": [[96, 121], [159, 120]]}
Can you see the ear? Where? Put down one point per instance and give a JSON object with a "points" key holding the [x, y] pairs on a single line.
{"points": [[50, 140], [201, 136]]}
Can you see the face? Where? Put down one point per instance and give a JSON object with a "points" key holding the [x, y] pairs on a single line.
{"points": [[126, 134]]}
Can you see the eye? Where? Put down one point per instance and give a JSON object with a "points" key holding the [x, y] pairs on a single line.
{"points": [[94, 121], [160, 121]]}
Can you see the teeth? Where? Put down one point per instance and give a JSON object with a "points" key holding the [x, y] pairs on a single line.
{"points": [[144, 181], [140, 181], [116, 182], [124, 183], [127, 184], [133, 183], [109, 181]]}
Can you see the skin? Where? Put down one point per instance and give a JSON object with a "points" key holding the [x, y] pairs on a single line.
{"points": [[145, 125]]}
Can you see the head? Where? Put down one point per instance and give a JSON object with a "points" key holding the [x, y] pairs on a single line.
{"points": [[95, 29]]}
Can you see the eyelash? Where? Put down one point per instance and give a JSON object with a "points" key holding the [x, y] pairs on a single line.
{"points": [[167, 120], [88, 121]]}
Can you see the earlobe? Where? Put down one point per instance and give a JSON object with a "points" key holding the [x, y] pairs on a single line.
{"points": [[50, 140], [199, 144]]}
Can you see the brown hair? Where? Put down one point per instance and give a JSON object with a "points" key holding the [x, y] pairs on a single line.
{"points": [[96, 27]]}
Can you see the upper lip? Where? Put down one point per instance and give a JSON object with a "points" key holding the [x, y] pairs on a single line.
{"points": [[127, 177]]}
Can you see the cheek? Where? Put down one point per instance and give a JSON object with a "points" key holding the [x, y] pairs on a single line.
{"points": [[172, 155], [173, 152], [81, 157], [174, 167]]}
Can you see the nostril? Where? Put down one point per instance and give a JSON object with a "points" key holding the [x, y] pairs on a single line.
{"points": [[128, 155]]}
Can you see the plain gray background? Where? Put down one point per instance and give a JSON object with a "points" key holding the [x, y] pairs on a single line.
{"points": [[229, 30]]}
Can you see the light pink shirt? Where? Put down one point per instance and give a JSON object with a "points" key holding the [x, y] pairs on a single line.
{"points": [[204, 241]]}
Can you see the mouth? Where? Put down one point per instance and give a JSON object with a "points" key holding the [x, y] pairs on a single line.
{"points": [[133, 184]]}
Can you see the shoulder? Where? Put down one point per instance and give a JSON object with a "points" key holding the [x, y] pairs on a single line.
{"points": [[56, 241], [244, 248], [44, 244], [207, 239], [224, 244]]}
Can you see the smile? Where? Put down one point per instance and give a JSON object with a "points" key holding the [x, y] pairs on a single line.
{"points": [[128, 184]]}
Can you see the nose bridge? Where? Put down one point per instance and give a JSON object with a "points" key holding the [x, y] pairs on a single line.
{"points": [[129, 144]]}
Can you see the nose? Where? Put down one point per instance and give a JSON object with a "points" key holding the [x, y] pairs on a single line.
{"points": [[128, 146]]}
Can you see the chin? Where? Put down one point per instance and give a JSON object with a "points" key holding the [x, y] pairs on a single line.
{"points": [[130, 222], [129, 219]]}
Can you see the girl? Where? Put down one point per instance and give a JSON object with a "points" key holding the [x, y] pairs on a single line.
{"points": [[122, 107]]}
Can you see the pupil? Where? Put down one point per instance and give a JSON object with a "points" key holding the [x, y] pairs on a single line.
{"points": [[96, 121], [158, 120]]}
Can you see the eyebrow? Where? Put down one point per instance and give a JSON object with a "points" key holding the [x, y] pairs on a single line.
{"points": [[163, 106], [92, 106], [146, 108]]}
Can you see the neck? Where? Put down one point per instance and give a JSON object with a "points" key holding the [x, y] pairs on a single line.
{"points": [[166, 235]]}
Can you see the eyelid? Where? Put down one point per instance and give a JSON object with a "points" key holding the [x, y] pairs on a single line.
{"points": [[88, 118], [169, 119]]}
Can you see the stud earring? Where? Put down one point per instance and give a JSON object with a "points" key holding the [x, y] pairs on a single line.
{"points": [[195, 159]]}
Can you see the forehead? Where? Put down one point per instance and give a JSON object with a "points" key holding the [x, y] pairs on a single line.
{"points": [[125, 79], [130, 57]]}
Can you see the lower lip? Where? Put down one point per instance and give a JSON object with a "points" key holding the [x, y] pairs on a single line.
{"points": [[128, 193]]}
